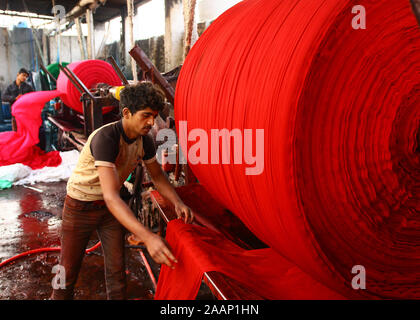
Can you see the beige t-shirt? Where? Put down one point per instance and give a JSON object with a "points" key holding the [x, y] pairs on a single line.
{"points": [[107, 146]]}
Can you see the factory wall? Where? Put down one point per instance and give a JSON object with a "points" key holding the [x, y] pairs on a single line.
{"points": [[69, 49], [174, 34], [208, 10]]}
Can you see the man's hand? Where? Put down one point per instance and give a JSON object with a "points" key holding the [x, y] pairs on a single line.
{"points": [[156, 246], [184, 212], [159, 251]]}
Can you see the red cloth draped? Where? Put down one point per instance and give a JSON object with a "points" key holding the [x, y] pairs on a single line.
{"points": [[264, 271], [339, 109]]}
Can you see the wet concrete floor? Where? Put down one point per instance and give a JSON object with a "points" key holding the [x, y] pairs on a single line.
{"points": [[31, 219]]}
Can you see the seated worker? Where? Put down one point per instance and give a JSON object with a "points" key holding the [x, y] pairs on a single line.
{"points": [[15, 90], [93, 200]]}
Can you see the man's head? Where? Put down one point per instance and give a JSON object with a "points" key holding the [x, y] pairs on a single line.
{"points": [[22, 75], [140, 105]]}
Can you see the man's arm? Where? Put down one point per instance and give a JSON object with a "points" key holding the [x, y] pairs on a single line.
{"points": [[156, 246], [416, 8], [167, 190]]}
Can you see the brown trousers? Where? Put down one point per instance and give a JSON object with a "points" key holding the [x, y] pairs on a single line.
{"points": [[80, 219]]}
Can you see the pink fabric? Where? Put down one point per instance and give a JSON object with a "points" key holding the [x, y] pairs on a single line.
{"points": [[20, 146]]}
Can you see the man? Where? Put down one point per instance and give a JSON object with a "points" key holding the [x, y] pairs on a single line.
{"points": [[93, 201], [16, 90], [416, 8]]}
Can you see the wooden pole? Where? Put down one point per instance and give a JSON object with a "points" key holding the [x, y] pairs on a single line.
{"points": [[130, 14], [57, 36], [80, 38], [122, 38], [189, 18], [90, 39]]}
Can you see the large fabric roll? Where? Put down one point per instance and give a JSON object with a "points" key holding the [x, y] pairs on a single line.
{"points": [[90, 72], [340, 113]]}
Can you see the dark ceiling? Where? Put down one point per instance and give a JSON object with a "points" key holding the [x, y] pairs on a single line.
{"points": [[109, 10]]}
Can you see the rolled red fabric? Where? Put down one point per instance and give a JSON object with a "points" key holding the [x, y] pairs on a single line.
{"points": [[340, 181], [90, 72]]}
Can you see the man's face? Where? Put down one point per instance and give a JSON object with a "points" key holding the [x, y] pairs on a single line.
{"points": [[142, 121], [22, 77]]}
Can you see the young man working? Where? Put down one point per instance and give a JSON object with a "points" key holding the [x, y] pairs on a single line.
{"points": [[93, 202], [15, 90]]}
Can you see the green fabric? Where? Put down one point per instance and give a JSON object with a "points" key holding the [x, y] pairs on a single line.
{"points": [[54, 69], [5, 184]]}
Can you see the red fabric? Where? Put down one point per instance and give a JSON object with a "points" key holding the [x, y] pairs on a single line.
{"points": [[264, 271], [340, 114], [20, 146]]}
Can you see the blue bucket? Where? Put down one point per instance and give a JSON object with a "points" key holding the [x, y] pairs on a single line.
{"points": [[5, 106]]}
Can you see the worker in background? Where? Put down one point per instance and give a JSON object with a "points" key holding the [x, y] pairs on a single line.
{"points": [[93, 199], [16, 90]]}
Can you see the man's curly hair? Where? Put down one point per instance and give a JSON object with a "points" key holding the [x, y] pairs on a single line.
{"points": [[140, 96]]}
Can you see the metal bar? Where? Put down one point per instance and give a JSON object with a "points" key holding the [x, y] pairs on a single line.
{"points": [[85, 90], [64, 70], [146, 65], [117, 69], [20, 14], [216, 288], [92, 112], [48, 73], [148, 268]]}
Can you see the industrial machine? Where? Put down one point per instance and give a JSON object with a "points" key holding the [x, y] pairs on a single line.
{"points": [[74, 129]]}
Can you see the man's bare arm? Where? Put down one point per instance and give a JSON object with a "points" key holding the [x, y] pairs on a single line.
{"points": [[156, 246]]}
